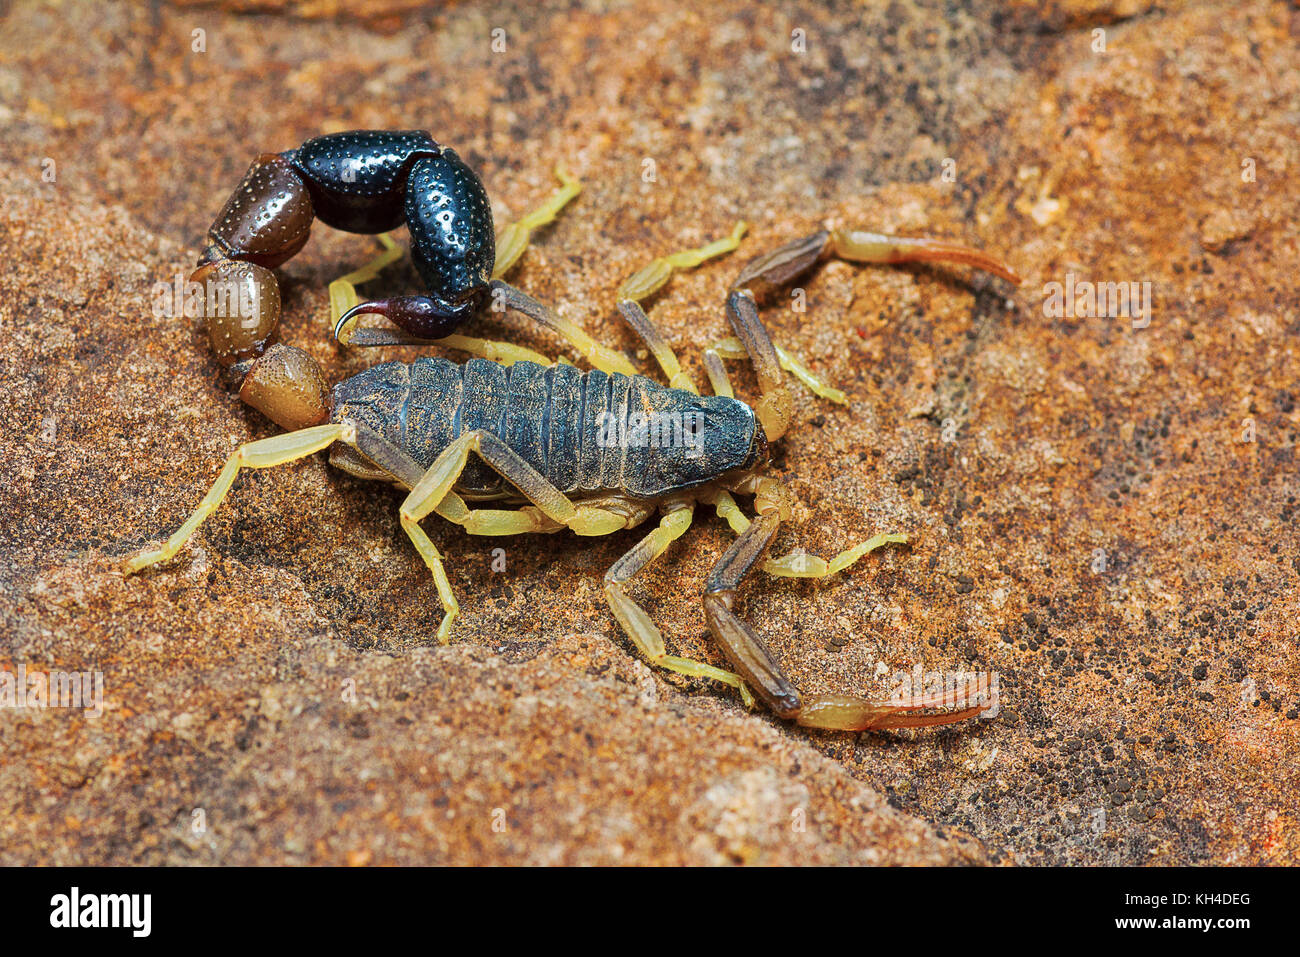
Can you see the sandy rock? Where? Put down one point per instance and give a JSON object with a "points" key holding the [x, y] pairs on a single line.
{"points": [[1103, 513]]}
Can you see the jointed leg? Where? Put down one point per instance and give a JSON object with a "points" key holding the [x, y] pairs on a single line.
{"points": [[717, 373], [733, 349], [529, 518], [640, 285], [648, 280], [727, 509], [635, 316], [651, 278], [797, 564], [506, 353], [495, 521], [602, 357], [280, 449], [551, 508], [263, 453], [633, 618], [435, 486], [514, 238], [756, 666]]}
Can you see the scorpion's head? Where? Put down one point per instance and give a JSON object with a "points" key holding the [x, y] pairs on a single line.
{"points": [[731, 441], [680, 446]]}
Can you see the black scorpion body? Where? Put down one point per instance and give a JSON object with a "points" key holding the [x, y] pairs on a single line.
{"points": [[594, 452], [586, 432]]}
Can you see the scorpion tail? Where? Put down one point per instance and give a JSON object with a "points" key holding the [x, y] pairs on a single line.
{"points": [[419, 316]]}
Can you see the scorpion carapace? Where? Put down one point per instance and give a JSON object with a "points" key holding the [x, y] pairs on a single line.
{"points": [[593, 452]]}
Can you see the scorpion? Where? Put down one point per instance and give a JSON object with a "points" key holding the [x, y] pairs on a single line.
{"points": [[512, 428]]}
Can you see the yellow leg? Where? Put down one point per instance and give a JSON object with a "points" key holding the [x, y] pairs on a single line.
{"points": [[280, 449], [800, 565], [514, 238], [261, 454], [602, 357], [632, 617], [551, 509], [495, 521], [438, 480], [506, 353], [651, 278], [717, 374], [727, 509], [659, 348], [796, 564], [433, 561], [343, 291], [758, 669], [731, 348]]}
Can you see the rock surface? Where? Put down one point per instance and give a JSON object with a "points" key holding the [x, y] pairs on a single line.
{"points": [[1104, 512]]}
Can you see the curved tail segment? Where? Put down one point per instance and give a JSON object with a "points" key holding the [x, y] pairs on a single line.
{"points": [[354, 181], [366, 181]]}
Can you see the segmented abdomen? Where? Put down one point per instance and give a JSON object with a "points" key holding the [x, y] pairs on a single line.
{"points": [[556, 418]]}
